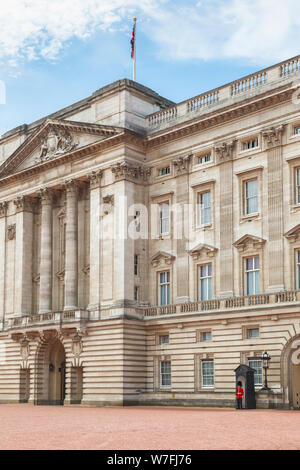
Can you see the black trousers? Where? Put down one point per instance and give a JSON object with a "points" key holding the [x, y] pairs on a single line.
{"points": [[239, 403]]}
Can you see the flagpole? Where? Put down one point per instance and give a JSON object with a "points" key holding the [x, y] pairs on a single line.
{"points": [[134, 56]]}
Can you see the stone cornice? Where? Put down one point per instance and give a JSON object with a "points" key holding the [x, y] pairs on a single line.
{"points": [[220, 116]]}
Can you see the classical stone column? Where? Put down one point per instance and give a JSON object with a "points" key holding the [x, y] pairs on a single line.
{"points": [[95, 239], [71, 263], [45, 302], [273, 138], [224, 155], [181, 165], [24, 251], [3, 209]]}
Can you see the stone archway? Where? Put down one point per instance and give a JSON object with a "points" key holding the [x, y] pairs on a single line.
{"points": [[290, 373], [50, 372]]}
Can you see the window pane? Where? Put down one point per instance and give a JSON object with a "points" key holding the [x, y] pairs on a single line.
{"points": [[249, 264], [207, 373], [250, 283], [251, 187], [253, 333], [165, 372], [257, 282], [256, 263], [257, 366]]}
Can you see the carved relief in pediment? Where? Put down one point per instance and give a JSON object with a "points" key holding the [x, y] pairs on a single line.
{"points": [[57, 142]]}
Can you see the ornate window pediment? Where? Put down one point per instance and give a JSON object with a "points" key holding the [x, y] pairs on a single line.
{"points": [[52, 139], [293, 234], [249, 242], [162, 258], [203, 250]]}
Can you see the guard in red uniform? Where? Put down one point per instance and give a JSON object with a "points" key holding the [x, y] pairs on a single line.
{"points": [[239, 396]]}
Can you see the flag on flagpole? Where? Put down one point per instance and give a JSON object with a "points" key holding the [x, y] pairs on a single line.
{"points": [[132, 42]]}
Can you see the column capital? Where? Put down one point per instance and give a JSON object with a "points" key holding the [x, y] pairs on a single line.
{"points": [[3, 208], [71, 186], [24, 203], [46, 195], [95, 179], [273, 135]]}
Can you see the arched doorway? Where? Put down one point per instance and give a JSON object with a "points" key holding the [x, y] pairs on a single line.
{"points": [[50, 373], [57, 374], [290, 372]]}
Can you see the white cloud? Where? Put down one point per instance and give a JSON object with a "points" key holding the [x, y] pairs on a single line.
{"points": [[256, 30]]}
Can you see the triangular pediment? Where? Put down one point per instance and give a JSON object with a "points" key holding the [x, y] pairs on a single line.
{"points": [[52, 139], [162, 257], [249, 241], [293, 234], [203, 249]]}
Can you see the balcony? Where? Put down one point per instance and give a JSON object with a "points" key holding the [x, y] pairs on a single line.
{"points": [[53, 318], [234, 303]]}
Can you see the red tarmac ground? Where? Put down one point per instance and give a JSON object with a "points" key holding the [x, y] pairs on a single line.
{"points": [[149, 428]]}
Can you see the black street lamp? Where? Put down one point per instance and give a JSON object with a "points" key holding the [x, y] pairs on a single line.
{"points": [[265, 360]]}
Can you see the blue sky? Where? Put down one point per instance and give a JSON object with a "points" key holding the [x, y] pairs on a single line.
{"points": [[53, 53]]}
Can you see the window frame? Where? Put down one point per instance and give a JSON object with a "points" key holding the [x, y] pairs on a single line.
{"points": [[249, 141], [168, 167], [247, 198], [207, 361], [253, 359], [252, 329], [161, 373], [200, 218], [168, 288], [297, 186], [246, 272], [161, 219], [201, 279]]}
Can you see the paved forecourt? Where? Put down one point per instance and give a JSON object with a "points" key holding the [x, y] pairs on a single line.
{"points": [[54, 427]]}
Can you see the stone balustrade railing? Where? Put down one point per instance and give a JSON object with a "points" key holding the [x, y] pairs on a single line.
{"points": [[223, 304], [226, 94], [46, 318]]}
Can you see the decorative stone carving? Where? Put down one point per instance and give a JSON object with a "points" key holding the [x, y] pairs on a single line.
{"points": [[108, 202], [249, 241], [3, 208], [273, 135], [11, 232], [57, 142], [46, 195], [24, 348], [125, 170], [203, 249], [162, 256], [24, 203], [77, 344], [181, 164], [293, 234], [225, 151], [95, 179]]}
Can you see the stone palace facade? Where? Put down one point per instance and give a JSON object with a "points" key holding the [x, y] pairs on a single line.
{"points": [[148, 248]]}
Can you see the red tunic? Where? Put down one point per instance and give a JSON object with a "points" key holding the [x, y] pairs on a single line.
{"points": [[239, 392]]}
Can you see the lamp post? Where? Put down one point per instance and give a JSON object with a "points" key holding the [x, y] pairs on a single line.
{"points": [[265, 360]]}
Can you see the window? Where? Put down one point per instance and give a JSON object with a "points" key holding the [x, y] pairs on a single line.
{"points": [[204, 158], [257, 366], [204, 208], [137, 221], [251, 197], [164, 171], [136, 293], [253, 333], [205, 336], [207, 374], [205, 282], [250, 144], [136, 265], [298, 186], [164, 218], [297, 130], [164, 339], [298, 269], [165, 374], [164, 288], [252, 276]]}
